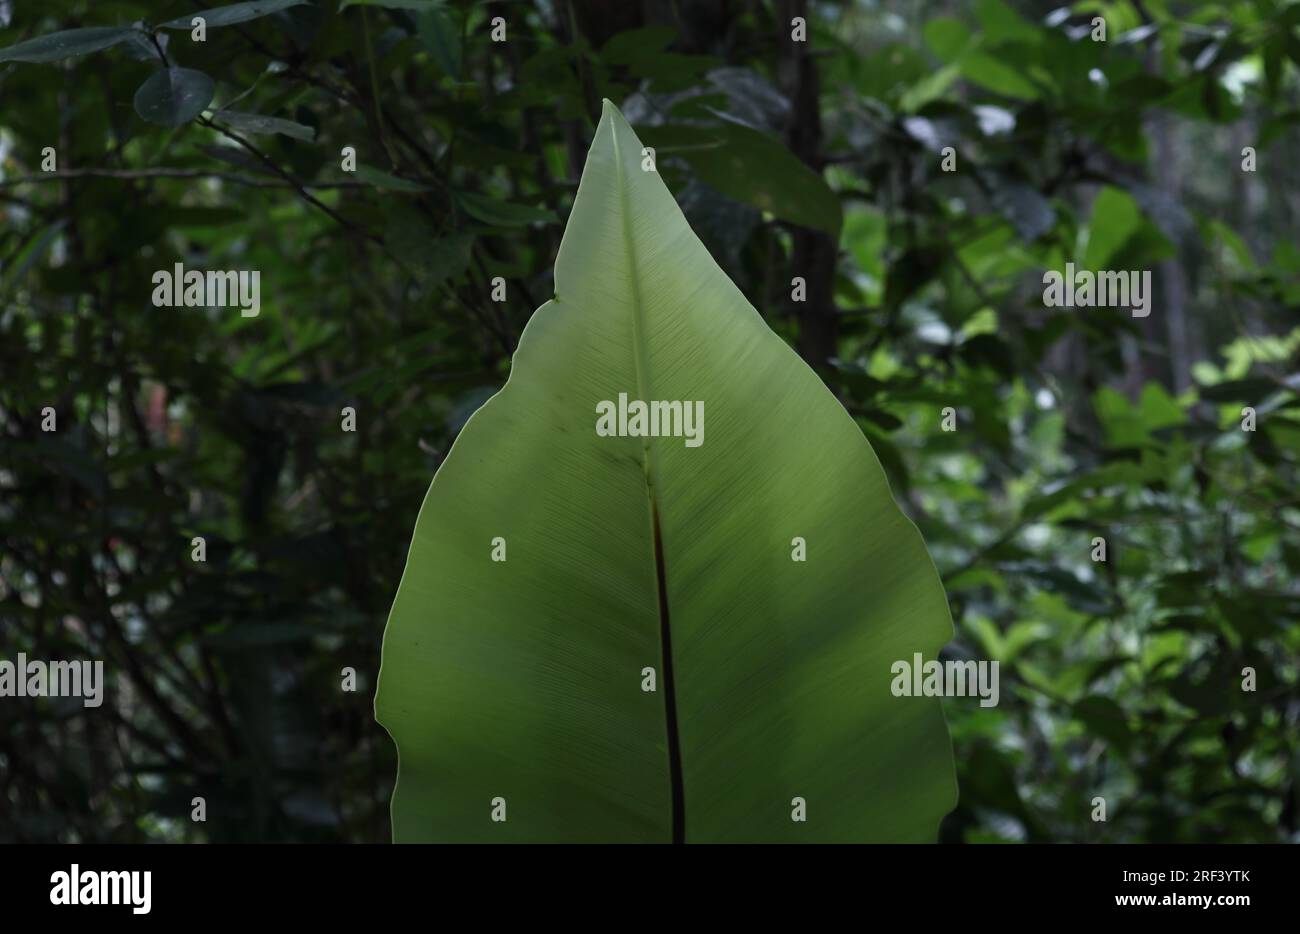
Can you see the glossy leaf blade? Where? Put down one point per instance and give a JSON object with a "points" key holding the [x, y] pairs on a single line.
{"points": [[67, 44], [522, 680], [233, 13], [173, 96]]}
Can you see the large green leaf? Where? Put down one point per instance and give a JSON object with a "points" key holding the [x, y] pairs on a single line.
{"points": [[522, 679]]}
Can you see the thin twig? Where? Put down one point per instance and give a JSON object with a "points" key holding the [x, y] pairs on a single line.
{"points": [[170, 173], [270, 164]]}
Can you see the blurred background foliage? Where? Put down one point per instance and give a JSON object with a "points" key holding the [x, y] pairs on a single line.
{"points": [[821, 159]]}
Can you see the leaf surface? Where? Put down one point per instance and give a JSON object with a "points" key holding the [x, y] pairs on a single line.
{"points": [[522, 680], [265, 125], [173, 96], [233, 13], [755, 169], [67, 44]]}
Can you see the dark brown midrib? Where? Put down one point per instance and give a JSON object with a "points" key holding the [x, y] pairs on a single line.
{"points": [[669, 687]]}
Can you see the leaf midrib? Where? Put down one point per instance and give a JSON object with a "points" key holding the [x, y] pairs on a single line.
{"points": [[649, 460]]}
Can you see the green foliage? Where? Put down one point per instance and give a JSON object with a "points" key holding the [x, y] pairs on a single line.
{"points": [[1120, 678], [173, 96], [233, 13], [66, 44], [525, 674], [754, 169]]}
